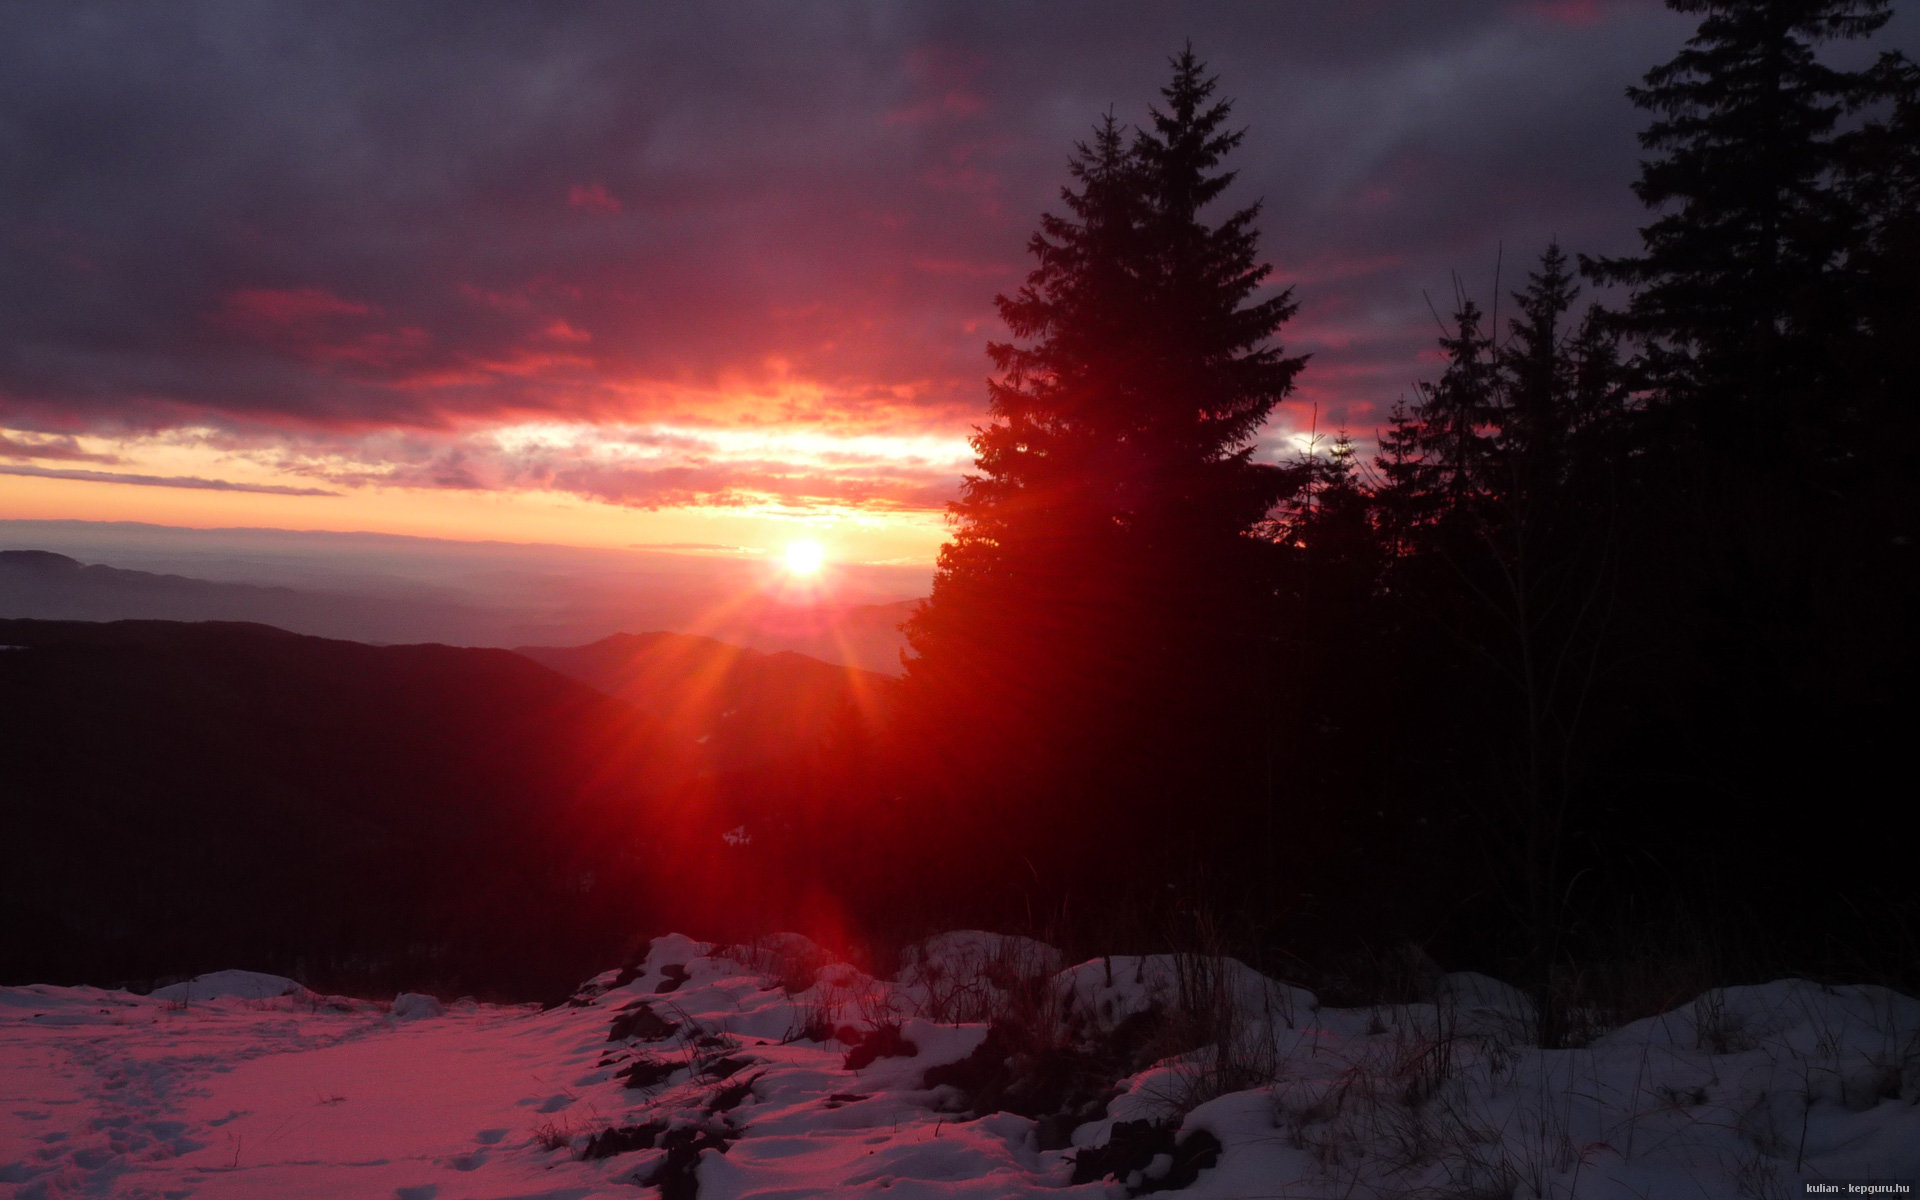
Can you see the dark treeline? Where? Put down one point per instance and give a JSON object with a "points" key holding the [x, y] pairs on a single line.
{"points": [[1594, 653]]}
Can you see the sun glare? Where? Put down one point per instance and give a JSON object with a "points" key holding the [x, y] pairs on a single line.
{"points": [[805, 558]]}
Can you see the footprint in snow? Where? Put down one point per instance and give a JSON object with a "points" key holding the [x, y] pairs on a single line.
{"points": [[555, 1103], [490, 1137]]}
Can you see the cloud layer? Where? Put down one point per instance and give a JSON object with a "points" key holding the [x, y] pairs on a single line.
{"points": [[397, 228]]}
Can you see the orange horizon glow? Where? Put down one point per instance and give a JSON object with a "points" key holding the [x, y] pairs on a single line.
{"points": [[714, 489], [521, 518]]}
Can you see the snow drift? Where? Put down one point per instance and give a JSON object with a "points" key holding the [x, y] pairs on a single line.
{"points": [[772, 1071]]}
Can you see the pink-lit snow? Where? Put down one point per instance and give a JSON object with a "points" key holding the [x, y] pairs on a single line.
{"points": [[248, 1087]]}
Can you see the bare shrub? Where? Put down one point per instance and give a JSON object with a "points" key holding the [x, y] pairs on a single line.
{"points": [[1757, 1177], [787, 959], [554, 1135], [1222, 1047], [1716, 1029], [1424, 1060], [1012, 982], [814, 1021]]}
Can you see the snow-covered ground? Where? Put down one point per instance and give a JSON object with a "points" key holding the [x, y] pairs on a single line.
{"points": [[758, 1073]]}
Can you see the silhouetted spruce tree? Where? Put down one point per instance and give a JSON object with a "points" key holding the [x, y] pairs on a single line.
{"points": [[1402, 507], [1603, 390], [1882, 185], [1766, 482], [1330, 505], [1452, 469], [1547, 575], [1538, 378], [1095, 611], [1489, 533], [1775, 182], [1335, 648], [1738, 289]]}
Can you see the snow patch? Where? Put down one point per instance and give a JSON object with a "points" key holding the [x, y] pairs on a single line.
{"points": [[229, 985], [412, 1006], [239, 1084]]}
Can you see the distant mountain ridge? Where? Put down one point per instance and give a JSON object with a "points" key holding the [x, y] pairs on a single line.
{"points": [[745, 704], [43, 585], [741, 705], [478, 610], [862, 635], [179, 796], [175, 796]]}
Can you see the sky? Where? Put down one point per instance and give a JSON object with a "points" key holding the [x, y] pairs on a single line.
{"points": [[703, 277]]}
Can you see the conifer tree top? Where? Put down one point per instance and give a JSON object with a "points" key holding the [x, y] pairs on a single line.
{"points": [[1139, 316], [1745, 120]]}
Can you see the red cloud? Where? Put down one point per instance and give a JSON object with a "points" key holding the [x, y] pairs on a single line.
{"points": [[259, 308], [949, 105], [316, 326], [942, 82], [835, 197], [594, 197], [1577, 13], [969, 270]]}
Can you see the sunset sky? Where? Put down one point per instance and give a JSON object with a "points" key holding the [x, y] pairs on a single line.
{"points": [[688, 275]]}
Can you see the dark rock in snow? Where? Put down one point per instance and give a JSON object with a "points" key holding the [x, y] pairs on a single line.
{"points": [[1072, 1082], [623, 1140], [724, 1068], [639, 1021], [732, 1096], [648, 1072], [1148, 1156], [675, 1174], [882, 1041]]}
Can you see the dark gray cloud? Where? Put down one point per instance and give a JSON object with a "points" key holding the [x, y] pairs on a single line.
{"points": [[177, 481], [352, 217]]}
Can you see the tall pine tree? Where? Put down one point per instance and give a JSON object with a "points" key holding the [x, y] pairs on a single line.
{"points": [[1458, 413], [1095, 609], [1538, 379], [1768, 496], [1738, 288]]}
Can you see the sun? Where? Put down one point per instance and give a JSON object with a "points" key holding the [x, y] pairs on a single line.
{"points": [[805, 558]]}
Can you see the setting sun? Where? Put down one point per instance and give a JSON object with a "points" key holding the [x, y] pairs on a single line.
{"points": [[805, 558]]}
